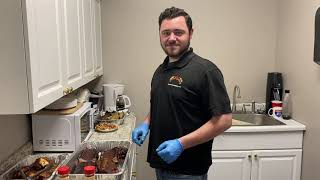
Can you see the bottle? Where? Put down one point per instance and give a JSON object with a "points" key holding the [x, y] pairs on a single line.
{"points": [[63, 173], [287, 105], [89, 172]]}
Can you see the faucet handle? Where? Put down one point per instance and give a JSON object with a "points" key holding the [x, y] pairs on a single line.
{"points": [[253, 106], [244, 109]]}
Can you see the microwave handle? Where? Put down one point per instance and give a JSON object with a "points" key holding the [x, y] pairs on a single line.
{"points": [[91, 111]]}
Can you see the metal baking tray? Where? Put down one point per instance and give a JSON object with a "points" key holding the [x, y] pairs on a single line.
{"points": [[28, 160], [100, 146]]}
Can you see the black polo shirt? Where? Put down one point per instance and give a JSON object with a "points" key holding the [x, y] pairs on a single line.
{"points": [[184, 95]]}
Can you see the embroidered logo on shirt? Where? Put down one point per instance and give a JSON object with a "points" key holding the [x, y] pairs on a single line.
{"points": [[175, 81]]}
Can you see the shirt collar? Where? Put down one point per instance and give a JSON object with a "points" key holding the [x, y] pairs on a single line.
{"points": [[181, 62]]}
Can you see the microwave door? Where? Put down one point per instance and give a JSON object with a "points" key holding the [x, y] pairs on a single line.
{"points": [[85, 125]]}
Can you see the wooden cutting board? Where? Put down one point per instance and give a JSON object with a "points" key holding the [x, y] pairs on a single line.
{"points": [[61, 111]]}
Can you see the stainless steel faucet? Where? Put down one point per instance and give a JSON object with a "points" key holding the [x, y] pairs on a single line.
{"points": [[236, 90]]}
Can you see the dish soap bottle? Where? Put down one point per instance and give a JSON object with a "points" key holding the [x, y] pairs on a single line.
{"points": [[287, 105]]}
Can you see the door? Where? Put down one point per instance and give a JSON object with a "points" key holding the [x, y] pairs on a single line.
{"points": [[276, 164], [97, 37], [72, 51], [87, 39], [230, 165], [44, 51]]}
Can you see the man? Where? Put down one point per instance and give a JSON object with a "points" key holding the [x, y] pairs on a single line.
{"points": [[189, 105]]}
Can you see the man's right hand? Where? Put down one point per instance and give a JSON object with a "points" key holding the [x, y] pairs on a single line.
{"points": [[140, 133]]}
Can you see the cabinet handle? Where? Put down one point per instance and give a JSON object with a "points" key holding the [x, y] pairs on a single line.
{"points": [[256, 156], [249, 156], [70, 89], [65, 91]]}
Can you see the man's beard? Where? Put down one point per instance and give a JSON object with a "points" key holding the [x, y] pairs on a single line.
{"points": [[176, 54]]}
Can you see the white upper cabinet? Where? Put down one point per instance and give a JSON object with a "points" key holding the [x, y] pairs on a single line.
{"points": [[72, 35], [44, 50], [87, 34], [98, 38], [48, 48]]}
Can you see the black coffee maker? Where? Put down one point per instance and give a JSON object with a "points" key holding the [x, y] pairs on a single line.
{"points": [[274, 88]]}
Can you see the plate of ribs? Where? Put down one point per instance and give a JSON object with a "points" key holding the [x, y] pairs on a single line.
{"points": [[39, 166]]}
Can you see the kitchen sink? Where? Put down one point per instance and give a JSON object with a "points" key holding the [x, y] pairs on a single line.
{"points": [[254, 120]]}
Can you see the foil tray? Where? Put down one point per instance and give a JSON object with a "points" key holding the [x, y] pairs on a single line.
{"points": [[100, 146], [28, 160]]}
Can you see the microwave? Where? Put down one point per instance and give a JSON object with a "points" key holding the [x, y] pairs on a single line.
{"points": [[54, 132]]}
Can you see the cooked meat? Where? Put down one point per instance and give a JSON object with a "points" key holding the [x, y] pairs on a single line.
{"points": [[120, 153], [106, 163], [88, 155], [40, 163]]}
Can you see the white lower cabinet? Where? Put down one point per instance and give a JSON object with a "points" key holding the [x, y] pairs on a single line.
{"points": [[276, 164], [230, 165], [256, 165], [257, 155]]}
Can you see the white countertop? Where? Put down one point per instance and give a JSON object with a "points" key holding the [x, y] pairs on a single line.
{"points": [[290, 125]]}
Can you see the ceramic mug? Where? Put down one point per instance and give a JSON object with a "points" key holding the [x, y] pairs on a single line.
{"points": [[275, 112], [276, 103]]}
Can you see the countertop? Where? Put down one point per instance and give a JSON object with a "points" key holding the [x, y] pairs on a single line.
{"points": [[290, 125], [123, 132]]}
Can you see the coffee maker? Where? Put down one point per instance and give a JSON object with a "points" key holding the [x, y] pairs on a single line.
{"points": [[274, 88], [114, 99]]}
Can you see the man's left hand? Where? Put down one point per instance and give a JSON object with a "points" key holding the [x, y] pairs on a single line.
{"points": [[170, 150]]}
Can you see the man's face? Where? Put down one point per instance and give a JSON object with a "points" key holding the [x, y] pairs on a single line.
{"points": [[175, 36]]}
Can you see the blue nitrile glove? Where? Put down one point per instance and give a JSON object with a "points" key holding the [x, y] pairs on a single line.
{"points": [[170, 150], [140, 133]]}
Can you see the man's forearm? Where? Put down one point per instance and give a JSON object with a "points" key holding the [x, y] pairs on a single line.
{"points": [[212, 128], [147, 119]]}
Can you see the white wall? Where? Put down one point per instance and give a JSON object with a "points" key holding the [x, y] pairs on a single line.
{"points": [[301, 75], [239, 36], [15, 131]]}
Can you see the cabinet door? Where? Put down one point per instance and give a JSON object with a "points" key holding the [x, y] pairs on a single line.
{"points": [[230, 165], [97, 37], [72, 50], [44, 48], [87, 39], [276, 164]]}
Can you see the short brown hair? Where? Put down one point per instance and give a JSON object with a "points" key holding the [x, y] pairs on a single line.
{"points": [[173, 12]]}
